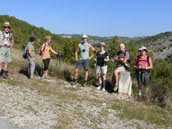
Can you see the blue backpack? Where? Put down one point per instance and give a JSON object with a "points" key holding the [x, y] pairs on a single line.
{"points": [[25, 53]]}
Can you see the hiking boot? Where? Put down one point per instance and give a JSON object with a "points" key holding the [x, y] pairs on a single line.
{"points": [[84, 84], [4, 76], [73, 82], [145, 97]]}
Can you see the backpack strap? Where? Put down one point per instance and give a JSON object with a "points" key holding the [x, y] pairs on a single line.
{"points": [[10, 35], [148, 60], [137, 60], [3, 33], [44, 47], [125, 53]]}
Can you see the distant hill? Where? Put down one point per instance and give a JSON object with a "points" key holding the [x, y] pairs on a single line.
{"points": [[160, 44]]}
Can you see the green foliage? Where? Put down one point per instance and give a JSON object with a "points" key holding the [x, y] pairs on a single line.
{"points": [[161, 84], [154, 115], [69, 49], [113, 46]]}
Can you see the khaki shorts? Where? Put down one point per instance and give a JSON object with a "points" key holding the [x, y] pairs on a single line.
{"points": [[101, 69], [5, 54]]}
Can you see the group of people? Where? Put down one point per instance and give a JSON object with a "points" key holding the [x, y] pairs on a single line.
{"points": [[142, 63], [45, 53]]}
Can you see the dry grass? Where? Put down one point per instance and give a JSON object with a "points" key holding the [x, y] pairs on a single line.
{"points": [[20, 65]]}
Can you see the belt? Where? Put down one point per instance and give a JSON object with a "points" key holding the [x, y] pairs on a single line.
{"points": [[4, 46]]}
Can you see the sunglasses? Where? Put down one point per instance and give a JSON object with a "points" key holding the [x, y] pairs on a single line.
{"points": [[101, 46], [7, 27]]}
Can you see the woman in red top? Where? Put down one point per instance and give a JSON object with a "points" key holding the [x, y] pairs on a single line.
{"points": [[142, 64]]}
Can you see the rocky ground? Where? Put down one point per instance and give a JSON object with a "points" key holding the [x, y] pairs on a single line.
{"points": [[55, 104]]}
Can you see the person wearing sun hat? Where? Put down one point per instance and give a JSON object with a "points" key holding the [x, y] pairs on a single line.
{"points": [[83, 61], [142, 64], [101, 69], [6, 43]]}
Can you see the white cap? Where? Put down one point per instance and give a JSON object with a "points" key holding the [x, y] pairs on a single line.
{"points": [[84, 36], [142, 48]]}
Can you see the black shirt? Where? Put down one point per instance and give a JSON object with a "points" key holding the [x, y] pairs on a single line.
{"points": [[100, 59]]}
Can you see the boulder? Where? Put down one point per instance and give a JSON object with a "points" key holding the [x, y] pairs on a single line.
{"points": [[125, 83]]}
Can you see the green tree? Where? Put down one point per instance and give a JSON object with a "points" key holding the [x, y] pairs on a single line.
{"points": [[113, 46]]}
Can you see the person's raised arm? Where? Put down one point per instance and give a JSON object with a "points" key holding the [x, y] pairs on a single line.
{"points": [[53, 51]]}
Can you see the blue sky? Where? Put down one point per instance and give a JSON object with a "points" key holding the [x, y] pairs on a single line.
{"points": [[94, 17]]}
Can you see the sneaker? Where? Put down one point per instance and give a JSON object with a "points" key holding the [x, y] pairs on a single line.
{"points": [[139, 94], [84, 84], [73, 82], [116, 88], [104, 89], [46, 77], [99, 87], [43, 76]]}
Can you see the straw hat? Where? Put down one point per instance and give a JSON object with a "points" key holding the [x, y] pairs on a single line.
{"points": [[6, 24], [102, 44]]}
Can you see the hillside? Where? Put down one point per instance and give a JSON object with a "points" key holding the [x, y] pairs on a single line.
{"points": [[55, 104], [22, 31], [160, 44]]}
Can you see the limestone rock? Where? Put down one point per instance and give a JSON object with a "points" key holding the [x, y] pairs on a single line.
{"points": [[125, 83]]}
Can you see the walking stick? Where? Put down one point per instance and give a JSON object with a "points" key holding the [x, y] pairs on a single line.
{"points": [[59, 56]]}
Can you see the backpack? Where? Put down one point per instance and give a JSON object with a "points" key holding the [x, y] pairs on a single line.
{"points": [[25, 53], [137, 61], [40, 50], [127, 65]]}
